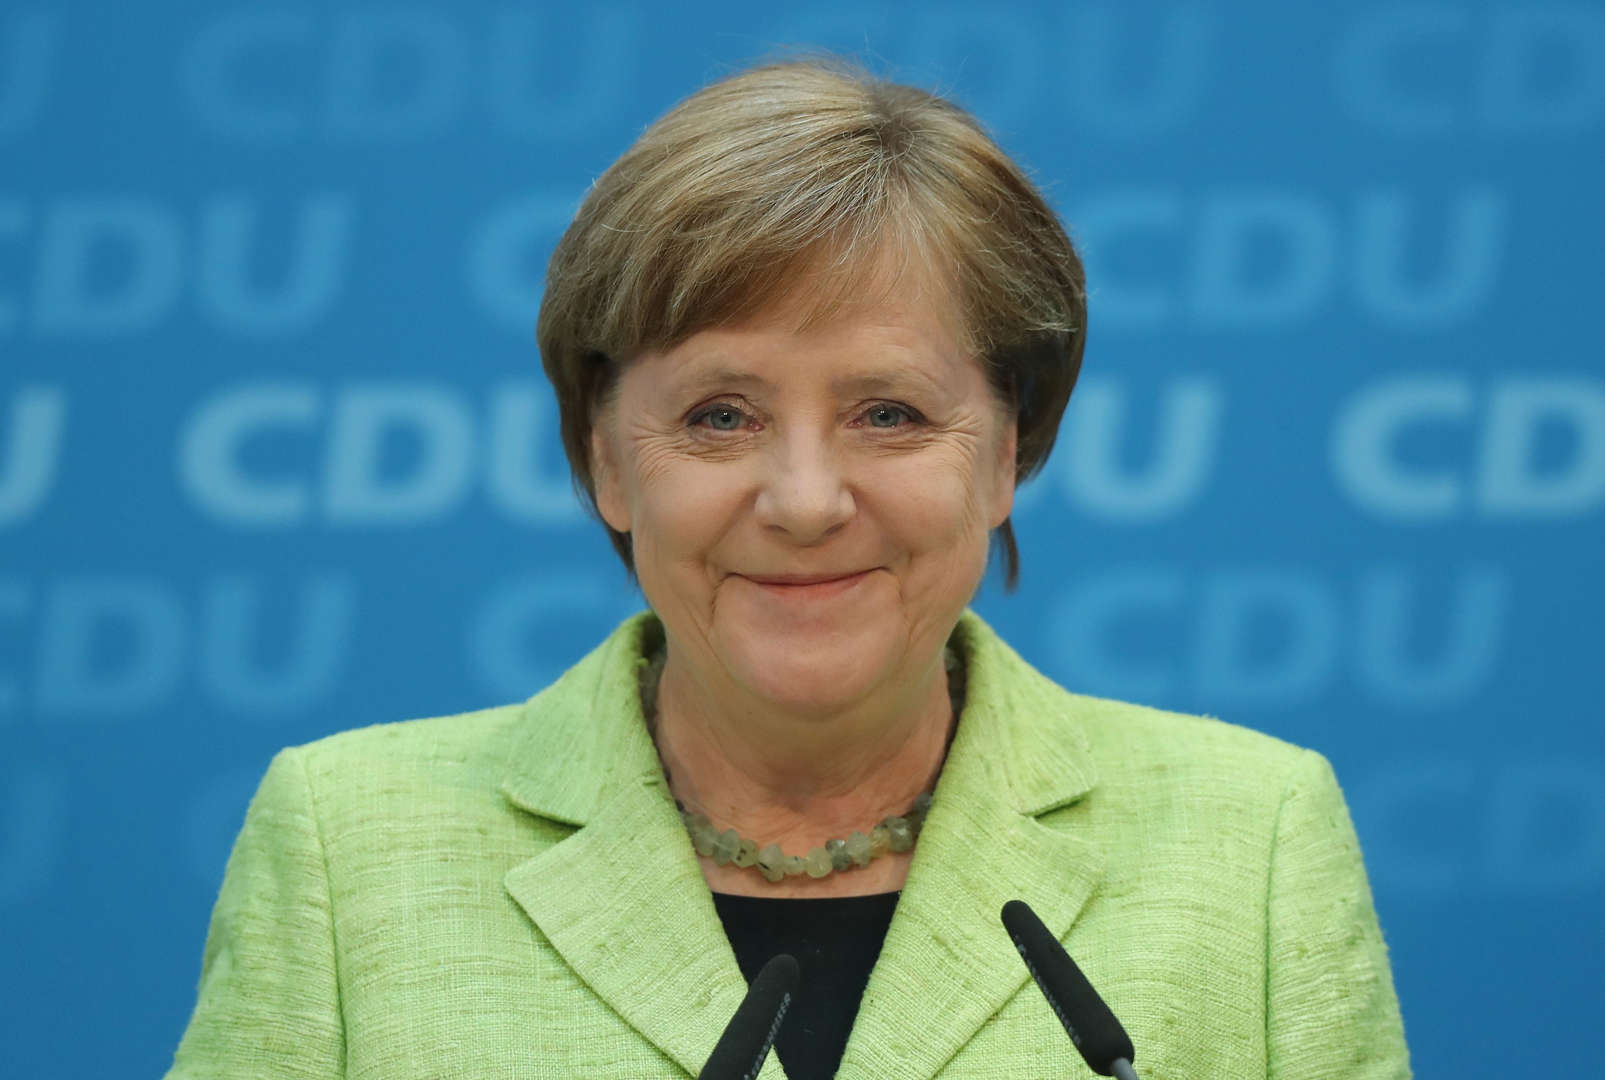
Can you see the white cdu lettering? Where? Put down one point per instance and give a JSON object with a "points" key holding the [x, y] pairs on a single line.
{"points": [[210, 448], [527, 630], [1467, 263], [360, 489], [115, 266], [30, 450], [231, 239], [1226, 292], [71, 303], [211, 72], [1438, 826], [1182, 448], [234, 612], [1528, 69], [1511, 480], [367, 47], [507, 255], [407, 74], [1269, 637], [75, 679], [373, 454], [30, 52], [106, 647], [1248, 260], [1501, 473], [1170, 61], [1364, 446]]}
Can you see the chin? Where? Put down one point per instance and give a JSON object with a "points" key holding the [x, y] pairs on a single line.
{"points": [[823, 669]]}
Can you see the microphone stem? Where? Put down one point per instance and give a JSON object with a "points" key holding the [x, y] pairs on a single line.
{"points": [[1122, 1069]]}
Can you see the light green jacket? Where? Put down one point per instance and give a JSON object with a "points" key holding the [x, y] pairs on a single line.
{"points": [[510, 893]]}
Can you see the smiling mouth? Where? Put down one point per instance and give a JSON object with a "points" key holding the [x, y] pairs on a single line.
{"points": [[802, 587], [793, 581]]}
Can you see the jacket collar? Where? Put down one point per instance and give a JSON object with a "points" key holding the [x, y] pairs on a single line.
{"points": [[623, 899]]}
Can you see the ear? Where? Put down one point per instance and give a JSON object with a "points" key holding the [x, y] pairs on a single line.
{"points": [[606, 476], [1003, 472]]}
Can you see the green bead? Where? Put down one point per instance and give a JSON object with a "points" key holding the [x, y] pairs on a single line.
{"points": [[771, 862], [725, 846], [900, 833], [895, 833]]}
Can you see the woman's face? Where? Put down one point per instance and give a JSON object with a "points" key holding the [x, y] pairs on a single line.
{"points": [[809, 512]]}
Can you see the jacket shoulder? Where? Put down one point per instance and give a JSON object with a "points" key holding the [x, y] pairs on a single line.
{"points": [[1132, 731], [1191, 768], [1066, 742], [463, 761], [457, 751]]}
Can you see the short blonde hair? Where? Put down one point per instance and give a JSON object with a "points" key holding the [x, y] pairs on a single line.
{"points": [[805, 173]]}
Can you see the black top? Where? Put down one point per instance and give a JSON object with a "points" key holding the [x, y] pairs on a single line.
{"points": [[835, 941]]}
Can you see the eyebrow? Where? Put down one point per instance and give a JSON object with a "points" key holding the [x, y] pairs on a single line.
{"points": [[875, 382], [710, 379], [869, 382]]}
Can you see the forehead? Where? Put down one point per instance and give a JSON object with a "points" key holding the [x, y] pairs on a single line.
{"points": [[875, 353], [897, 328]]}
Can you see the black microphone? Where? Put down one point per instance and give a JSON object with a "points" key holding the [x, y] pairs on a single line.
{"points": [[1092, 1027], [741, 1050]]}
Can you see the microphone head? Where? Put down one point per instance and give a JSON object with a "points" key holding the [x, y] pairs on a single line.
{"points": [[741, 1050], [1092, 1027]]}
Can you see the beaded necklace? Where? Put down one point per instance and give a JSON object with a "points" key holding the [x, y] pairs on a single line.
{"points": [[894, 833]]}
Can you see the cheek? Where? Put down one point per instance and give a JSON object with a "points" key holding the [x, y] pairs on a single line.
{"points": [[936, 504], [683, 508]]}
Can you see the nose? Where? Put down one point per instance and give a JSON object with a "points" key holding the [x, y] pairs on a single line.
{"points": [[804, 493]]}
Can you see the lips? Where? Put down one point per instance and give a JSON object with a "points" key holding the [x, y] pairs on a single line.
{"points": [[803, 579]]}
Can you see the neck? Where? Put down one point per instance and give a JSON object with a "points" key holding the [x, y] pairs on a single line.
{"points": [[799, 779]]}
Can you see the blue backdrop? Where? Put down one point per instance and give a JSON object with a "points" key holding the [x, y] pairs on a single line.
{"points": [[277, 457]]}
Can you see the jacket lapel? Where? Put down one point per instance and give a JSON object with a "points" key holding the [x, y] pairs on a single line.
{"points": [[1017, 754], [622, 899]]}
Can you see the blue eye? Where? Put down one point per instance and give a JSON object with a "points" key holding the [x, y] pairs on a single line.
{"points": [[720, 417], [890, 414]]}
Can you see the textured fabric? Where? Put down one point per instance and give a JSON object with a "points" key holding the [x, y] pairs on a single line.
{"points": [[510, 893], [835, 942]]}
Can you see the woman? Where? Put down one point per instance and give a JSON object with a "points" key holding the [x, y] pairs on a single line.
{"points": [[806, 335]]}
